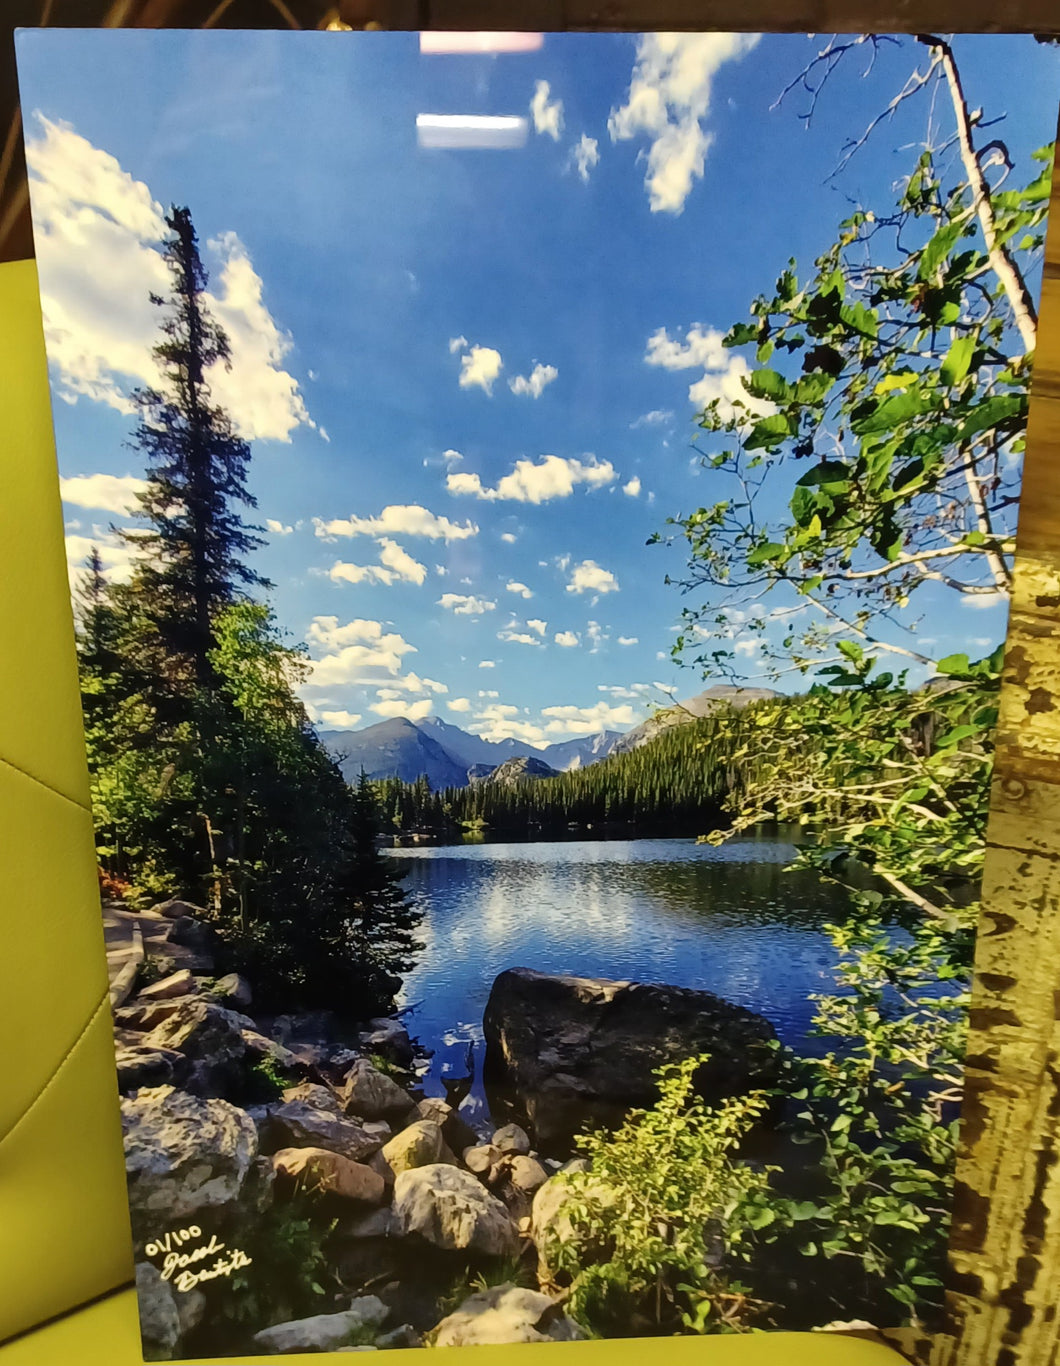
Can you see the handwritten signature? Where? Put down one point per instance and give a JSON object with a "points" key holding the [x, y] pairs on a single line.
{"points": [[176, 1264]]}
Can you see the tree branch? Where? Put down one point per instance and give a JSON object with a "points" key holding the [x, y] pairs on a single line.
{"points": [[1004, 267]]}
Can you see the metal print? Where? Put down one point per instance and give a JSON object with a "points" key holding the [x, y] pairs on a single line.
{"points": [[540, 514]]}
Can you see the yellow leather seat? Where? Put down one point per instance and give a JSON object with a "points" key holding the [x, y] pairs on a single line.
{"points": [[65, 1249]]}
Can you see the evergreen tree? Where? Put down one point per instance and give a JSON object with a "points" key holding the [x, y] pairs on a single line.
{"points": [[383, 921], [191, 562]]}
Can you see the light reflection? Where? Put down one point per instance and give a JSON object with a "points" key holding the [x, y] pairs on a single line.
{"points": [[480, 42], [495, 131]]}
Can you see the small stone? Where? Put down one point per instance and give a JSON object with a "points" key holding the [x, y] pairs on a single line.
{"points": [[526, 1174], [417, 1146], [378, 1128], [180, 983], [319, 1170], [481, 1158], [258, 1048], [323, 1332], [405, 1336], [512, 1139]]}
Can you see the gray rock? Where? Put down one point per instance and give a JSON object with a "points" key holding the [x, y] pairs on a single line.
{"points": [[184, 1157], [503, 1314], [580, 1050], [144, 1015], [258, 1048], [448, 1207], [207, 1034], [174, 908], [378, 1224], [139, 1065], [371, 1094], [232, 987], [389, 1039], [159, 1321], [297, 1124], [318, 1171], [403, 1336], [512, 1139], [455, 1129], [481, 1158], [550, 1220], [526, 1174], [417, 1146], [180, 983], [323, 1332], [312, 1093], [191, 1309], [190, 933]]}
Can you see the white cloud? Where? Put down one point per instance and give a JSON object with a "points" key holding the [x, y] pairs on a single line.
{"points": [[535, 384], [589, 577], [568, 639], [724, 375], [413, 711], [547, 114], [501, 722], [97, 232], [632, 489], [520, 588], [655, 418], [277, 528], [575, 720], [108, 492], [536, 624], [116, 557], [981, 601], [597, 635], [407, 519], [537, 482], [465, 605], [749, 648], [341, 720], [488, 692], [396, 565], [668, 101], [360, 652], [487, 663], [480, 366], [628, 640], [457, 344], [459, 704], [585, 154], [514, 637], [509, 537]]}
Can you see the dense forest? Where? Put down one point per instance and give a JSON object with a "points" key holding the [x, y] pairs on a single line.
{"points": [[207, 778]]}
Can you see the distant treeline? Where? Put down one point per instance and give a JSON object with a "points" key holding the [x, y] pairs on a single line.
{"points": [[677, 782]]}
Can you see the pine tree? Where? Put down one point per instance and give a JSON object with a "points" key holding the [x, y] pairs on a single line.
{"points": [[383, 921], [191, 562]]}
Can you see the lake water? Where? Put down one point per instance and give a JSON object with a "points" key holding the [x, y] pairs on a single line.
{"points": [[729, 920]]}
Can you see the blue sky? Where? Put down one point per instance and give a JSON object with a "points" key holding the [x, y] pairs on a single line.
{"points": [[467, 372]]}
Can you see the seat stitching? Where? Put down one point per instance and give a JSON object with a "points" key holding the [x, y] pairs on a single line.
{"points": [[103, 1002], [57, 792]]}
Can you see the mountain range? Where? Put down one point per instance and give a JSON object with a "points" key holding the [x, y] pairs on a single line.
{"points": [[444, 754]]}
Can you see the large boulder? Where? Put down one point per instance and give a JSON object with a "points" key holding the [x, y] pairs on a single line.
{"points": [[209, 1035], [455, 1129], [186, 1159], [323, 1332], [506, 1313], [139, 1066], [316, 1169], [232, 987], [389, 1039], [551, 1224], [570, 1051], [450, 1208], [299, 1124], [371, 1094], [180, 983]]}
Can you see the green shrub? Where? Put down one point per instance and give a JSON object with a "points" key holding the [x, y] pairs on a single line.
{"points": [[665, 1207]]}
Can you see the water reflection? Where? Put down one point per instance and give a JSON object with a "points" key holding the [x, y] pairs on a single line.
{"points": [[728, 920]]}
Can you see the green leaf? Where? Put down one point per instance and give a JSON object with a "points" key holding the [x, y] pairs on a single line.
{"points": [[764, 553], [769, 432], [893, 411], [953, 664], [766, 383], [992, 412], [827, 472], [958, 358]]}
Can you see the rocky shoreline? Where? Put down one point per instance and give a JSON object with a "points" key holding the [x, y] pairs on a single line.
{"points": [[431, 1234]]}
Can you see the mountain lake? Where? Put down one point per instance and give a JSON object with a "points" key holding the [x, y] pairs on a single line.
{"points": [[729, 920]]}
